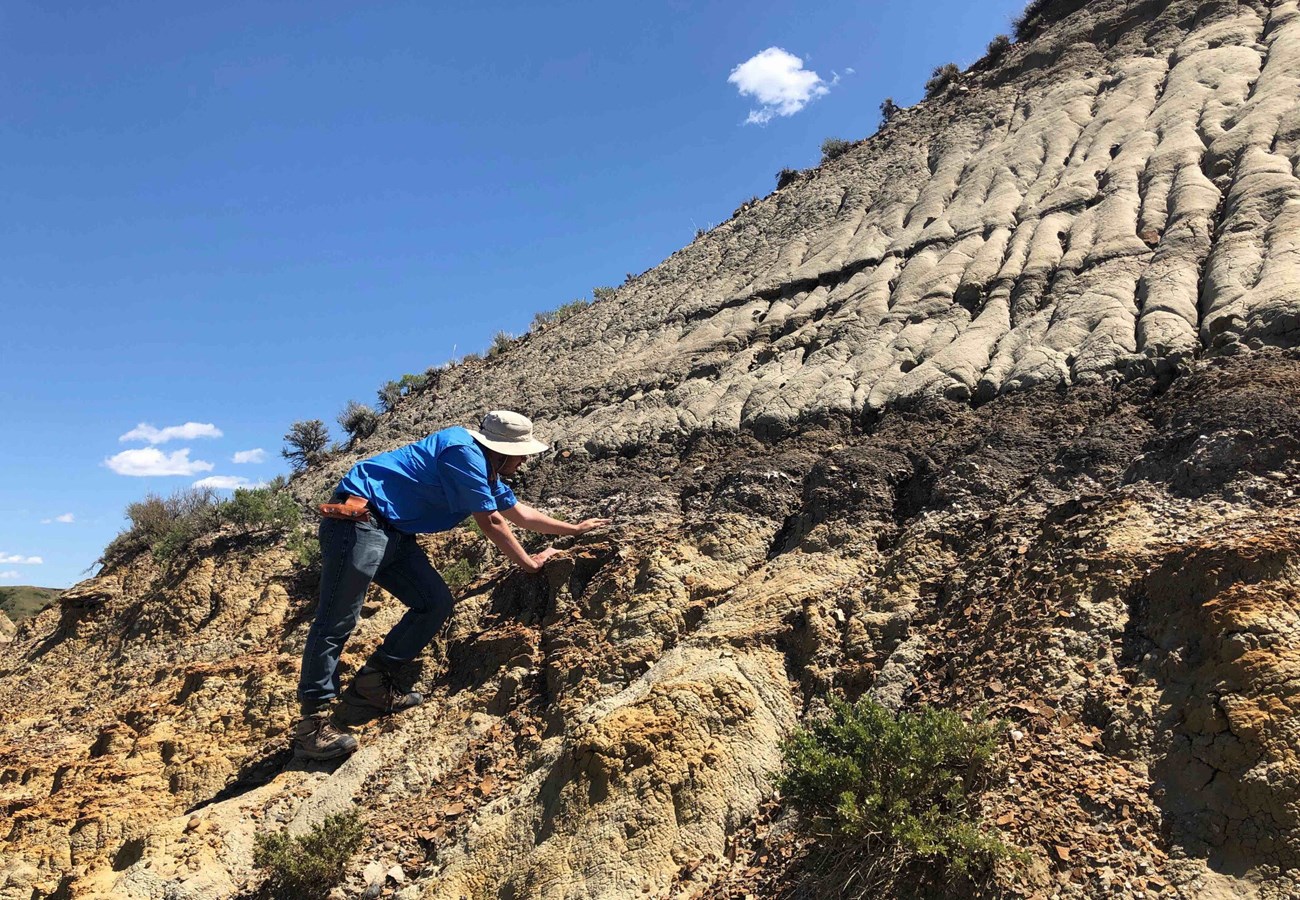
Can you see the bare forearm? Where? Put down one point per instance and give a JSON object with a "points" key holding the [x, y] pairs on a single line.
{"points": [[497, 531], [532, 519]]}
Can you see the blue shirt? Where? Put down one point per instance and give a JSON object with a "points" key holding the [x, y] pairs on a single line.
{"points": [[431, 485]]}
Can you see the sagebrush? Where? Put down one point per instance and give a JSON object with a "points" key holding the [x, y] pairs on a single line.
{"points": [[358, 420], [305, 443], [166, 525], [163, 525], [833, 148], [459, 574], [887, 794], [307, 867], [391, 392], [254, 509]]}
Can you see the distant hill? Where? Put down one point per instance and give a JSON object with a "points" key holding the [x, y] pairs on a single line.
{"points": [[22, 601]]}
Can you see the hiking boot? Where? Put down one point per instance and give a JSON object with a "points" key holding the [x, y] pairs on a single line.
{"points": [[378, 689], [315, 738]]}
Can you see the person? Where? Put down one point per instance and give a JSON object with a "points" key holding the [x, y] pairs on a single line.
{"points": [[382, 503]]}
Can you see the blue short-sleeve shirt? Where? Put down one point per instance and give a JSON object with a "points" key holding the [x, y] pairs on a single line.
{"points": [[430, 485]]}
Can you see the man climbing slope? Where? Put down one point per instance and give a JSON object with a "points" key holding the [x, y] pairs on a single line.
{"points": [[368, 534]]}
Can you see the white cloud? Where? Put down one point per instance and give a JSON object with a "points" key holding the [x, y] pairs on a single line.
{"points": [[149, 461], [13, 559], [224, 482], [249, 456], [9, 574], [187, 432], [66, 519], [779, 82]]}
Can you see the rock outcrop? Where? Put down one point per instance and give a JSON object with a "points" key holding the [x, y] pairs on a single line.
{"points": [[1001, 407]]}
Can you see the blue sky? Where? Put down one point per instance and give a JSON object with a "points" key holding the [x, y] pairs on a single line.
{"points": [[208, 205]]}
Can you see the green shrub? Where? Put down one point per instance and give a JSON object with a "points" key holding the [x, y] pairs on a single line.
{"points": [[888, 110], [901, 788], [459, 574], [358, 420], [500, 343], [562, 313], [411, 383], [471, 358], [998, 47], [305, 548], [307, 867], [164, 525], [254, 509], [1027, 22], [833, 148], [787, 176], [389, 394], [602, 293], [305, 443], [941, 78]]}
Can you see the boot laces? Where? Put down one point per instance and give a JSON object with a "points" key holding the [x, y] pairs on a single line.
{"points": [[391, 687]]}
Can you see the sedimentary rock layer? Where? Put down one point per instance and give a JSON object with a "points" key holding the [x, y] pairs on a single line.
{"points": [[1111, 199]]}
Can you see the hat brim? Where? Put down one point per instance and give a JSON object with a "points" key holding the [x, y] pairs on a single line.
{"points": [[509, 448]]}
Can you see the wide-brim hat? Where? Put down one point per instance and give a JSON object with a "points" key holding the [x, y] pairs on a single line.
{"points": [[509, 433]]}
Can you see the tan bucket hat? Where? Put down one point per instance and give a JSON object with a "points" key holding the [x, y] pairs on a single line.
{"points": [[509, 433]]}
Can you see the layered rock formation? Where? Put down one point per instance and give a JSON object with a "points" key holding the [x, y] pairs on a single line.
{"points": [[999, 408]]}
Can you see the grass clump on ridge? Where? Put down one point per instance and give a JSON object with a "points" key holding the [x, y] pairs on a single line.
{"points": [[890, 794], [561, 313], [998, 47], [787, 176], [501, 342], [309, 866], [1026, 23], [941, 78]]}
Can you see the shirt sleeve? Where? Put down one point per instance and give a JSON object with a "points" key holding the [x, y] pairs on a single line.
{"points": [[465, 483], [504, 496]]}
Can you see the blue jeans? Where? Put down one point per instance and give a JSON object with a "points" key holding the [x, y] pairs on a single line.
{"points": [[352, 555]]}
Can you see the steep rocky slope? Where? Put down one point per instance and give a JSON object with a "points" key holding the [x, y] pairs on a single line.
{"points": [[1000, 407]]}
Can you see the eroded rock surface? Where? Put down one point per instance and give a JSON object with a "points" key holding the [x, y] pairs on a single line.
{"points": [[996, 408]]}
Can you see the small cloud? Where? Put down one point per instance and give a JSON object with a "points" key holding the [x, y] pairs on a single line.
{"points": [[187, 432], [149, 461], [66, 519], [9, 574], [225, 482], [13, 559], [778, 80], [249, 456]]}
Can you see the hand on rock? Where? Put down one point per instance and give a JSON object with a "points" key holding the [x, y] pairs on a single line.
{"points": [[539, 559], [591, 524]]}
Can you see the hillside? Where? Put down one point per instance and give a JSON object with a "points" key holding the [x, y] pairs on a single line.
{"points": [[1000, 408], [21, 601]]}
